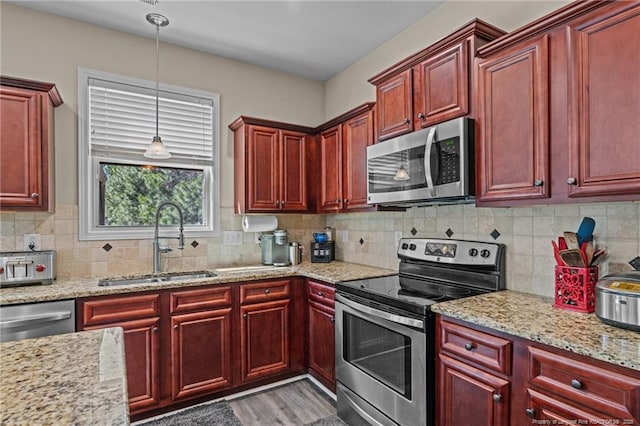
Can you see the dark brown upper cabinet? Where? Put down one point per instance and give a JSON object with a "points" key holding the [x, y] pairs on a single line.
{"points": [[27, 144], [431, 86], [558, 106]]}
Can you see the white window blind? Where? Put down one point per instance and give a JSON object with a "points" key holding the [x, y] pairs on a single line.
{"points": [[123, 122]]}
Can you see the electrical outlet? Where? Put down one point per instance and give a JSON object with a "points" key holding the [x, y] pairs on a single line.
{"points": [[232, 238], [344, 234], [397, 236], [256, 237], [32, 242]]}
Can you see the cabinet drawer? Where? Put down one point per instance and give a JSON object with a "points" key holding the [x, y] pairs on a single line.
{"points": [[103, 311], [482, 348], [264, 291], [601, 389], [198, 300], [321, 293]]}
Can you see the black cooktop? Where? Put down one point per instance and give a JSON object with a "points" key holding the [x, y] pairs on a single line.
{"points": [[393, 290]]}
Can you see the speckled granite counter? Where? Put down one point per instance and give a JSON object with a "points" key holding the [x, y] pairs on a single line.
{"points": [[534, 318], [66, 289], [70, 379]]}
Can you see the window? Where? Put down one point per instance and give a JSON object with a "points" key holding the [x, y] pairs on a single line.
{"points": [[120, 189]]}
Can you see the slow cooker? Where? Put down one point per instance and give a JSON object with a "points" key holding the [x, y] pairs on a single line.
{"points": [[618, 300]]}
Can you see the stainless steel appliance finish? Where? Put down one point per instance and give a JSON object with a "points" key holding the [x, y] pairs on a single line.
{"points": [[385, 330], [618, 300], [157, 248], [280, 248], [27, 267], [432, 165], [19, 322]]}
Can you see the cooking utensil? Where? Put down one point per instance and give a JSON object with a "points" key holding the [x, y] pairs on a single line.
{"points": [[598, 256], [562, 243], [587, 249], [585, 230], [573, 257], [572, 240], [556, 254]]}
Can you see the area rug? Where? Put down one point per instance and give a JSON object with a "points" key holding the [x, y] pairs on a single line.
{"points": [[217, 413], [328, 421]]}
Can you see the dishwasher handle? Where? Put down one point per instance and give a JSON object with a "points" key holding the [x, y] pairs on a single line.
{"points": [[34, 320]]}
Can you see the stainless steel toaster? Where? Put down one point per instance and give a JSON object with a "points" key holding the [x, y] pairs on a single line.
{"points": [[618, 300], [27, 267]]}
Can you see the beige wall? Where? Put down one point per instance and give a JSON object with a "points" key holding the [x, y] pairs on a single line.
{"points": [[350, 88], [50, 48]]}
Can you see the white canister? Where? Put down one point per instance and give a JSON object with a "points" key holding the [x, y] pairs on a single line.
{"points": [[329, 231]]}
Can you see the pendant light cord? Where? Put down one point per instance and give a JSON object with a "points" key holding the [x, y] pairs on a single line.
{"points": [[157, 75]]}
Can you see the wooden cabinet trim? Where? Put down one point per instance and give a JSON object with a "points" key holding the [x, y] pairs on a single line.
{"points": [[198, 300], [39, 86], [480, 348], [243, 119], [264, 291], [476, 27], [116, 309]]}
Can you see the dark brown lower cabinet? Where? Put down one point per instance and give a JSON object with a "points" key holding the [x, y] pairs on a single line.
{"points": [[541, 385], [190, 344], [200, 352], [321, 333]]}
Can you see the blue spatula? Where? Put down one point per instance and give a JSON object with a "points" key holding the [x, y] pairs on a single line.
{"points": [[585, 230]]}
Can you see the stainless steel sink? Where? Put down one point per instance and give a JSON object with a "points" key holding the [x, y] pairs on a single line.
{"points": [[108, 282]]}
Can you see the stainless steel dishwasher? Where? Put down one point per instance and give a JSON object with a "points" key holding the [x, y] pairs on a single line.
{"points": [[29, 320]]}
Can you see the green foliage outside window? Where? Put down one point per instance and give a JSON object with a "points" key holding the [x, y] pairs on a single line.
{"points": [[130, 195]]}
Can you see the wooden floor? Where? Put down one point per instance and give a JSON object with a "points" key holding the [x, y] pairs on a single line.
{"points": [[296, 403]]}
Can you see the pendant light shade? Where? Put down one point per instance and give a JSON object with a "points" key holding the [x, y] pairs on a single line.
{"points": [[401, 174], [156, 149]]}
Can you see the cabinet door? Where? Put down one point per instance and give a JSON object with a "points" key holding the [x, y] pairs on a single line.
{"points": [[395, 106], [200, 352], [358, 134], [321, 340], [442, 89], [331, 169], [264, 336], [294, 171], [21, 149], [513, 146], [604, 102], [469, 396], [263, 169], [142, 356]]}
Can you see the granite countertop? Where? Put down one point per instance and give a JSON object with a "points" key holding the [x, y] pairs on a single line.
{"points": [[76, 378], [534, 318], [70, 289]]}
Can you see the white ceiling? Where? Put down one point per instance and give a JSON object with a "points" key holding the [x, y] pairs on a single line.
{"points": [[311, 39]]}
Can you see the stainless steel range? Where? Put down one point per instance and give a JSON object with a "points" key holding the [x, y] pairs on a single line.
{"points": [[385, 337]]}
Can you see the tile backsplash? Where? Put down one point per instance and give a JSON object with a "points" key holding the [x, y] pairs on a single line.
{"points": [[367, 238]]}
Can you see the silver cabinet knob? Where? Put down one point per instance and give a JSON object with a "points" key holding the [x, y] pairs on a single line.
{"points": [[175, 327], [155, 330], [278, 203], [468, 346], [537, 182], [266, 291], [530, 412], [346, 200], [497, 397], [35, 195], [577, 384], [572, 181], [244, 316], [421, 116], [337, 201], [406, 121]]}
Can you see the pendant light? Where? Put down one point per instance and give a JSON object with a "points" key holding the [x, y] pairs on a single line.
{"points": [[156, 149], [402, 173]]}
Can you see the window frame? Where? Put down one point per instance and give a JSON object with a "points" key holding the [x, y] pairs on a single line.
{"points": [[89, 164]]}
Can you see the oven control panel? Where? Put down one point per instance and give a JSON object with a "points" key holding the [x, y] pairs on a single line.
{"points": [[461, 252]]}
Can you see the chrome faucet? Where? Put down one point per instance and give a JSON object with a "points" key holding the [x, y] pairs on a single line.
{"points": [[157, 248]]}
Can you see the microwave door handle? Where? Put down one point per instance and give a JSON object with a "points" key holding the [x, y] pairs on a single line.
{"points": [[427, 161]]}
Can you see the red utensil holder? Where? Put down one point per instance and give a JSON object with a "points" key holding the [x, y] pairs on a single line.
{"points": [[576, 288]]}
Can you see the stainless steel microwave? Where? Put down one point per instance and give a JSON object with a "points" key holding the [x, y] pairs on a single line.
{"points": [[431, 166]]}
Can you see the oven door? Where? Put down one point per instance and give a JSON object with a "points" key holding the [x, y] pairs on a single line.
{"points": [[381, 358]]}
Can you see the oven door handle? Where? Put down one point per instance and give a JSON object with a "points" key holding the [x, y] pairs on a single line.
{"points": [[398, 319], [427, 162]]}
